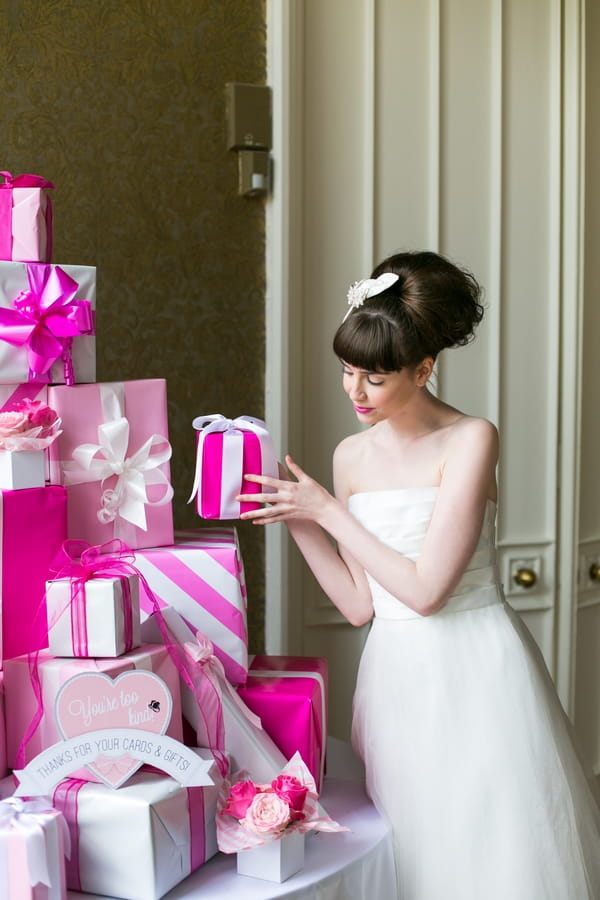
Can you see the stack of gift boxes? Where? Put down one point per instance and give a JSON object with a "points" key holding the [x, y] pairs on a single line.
{"points": [[124, 642]]}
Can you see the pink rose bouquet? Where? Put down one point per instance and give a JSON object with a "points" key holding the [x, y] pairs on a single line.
{"points": [[30, 425], [250, 814]]}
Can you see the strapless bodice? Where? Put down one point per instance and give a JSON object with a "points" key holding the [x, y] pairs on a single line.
{"points": [[400, 518]]}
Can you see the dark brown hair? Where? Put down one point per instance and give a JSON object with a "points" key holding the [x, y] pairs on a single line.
{"points": [[433, 305]]}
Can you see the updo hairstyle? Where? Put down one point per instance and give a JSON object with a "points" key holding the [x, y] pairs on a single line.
{"points": [[433, 305]]}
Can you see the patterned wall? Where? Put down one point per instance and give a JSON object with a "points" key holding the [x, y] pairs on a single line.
{"points": [[121, 104]]}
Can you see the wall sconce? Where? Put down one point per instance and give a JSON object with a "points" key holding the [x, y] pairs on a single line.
{"points": [[248, 118]]}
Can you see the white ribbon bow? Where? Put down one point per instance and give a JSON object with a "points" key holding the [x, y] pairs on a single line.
{"points": [[27, 818], [206, 425], [368, 287], [129, 497]]}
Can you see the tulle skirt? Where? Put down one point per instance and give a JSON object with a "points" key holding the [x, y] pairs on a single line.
{"points": [[470, 757]]}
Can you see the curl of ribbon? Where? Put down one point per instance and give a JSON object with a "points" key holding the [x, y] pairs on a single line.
{"points": [[45, 319], [27, 818], [128, 499], [25, 180], [209, 690], [234, 429], [80, 559]]}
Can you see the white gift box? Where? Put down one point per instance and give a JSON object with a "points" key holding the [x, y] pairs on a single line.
{"points": [[14, 362], [20, 469], [96, 625], [246, 742], [275, 861], [141, 840]]}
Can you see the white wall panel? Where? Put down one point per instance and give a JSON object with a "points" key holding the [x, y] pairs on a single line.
{"points": [[441, 124]]}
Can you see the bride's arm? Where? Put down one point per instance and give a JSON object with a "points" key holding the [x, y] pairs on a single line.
{"points": [[451, 539]]}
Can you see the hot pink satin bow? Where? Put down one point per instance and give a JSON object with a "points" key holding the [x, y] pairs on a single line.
{"points": [[46, 318]]}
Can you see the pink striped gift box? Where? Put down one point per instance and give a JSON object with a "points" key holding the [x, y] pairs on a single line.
{"points": [[228, 449], [202, 576]]}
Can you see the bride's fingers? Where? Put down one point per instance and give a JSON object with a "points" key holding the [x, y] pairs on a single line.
{"points": [[293, 467]]}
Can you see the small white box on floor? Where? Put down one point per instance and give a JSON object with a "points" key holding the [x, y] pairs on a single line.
{"points": [[275, 861], [20, 469]]}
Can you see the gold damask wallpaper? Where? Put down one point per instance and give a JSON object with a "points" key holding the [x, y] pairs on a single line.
{"points": [[120, 103]]}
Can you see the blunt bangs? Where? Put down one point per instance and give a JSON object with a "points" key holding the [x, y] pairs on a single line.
{"points": [[369, 342]]}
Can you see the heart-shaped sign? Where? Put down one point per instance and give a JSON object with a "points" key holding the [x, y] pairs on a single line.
{"points": [[92, 701]]}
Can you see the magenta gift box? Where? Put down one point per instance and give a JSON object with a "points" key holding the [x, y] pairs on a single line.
{"points": [[202, 577], [289, 693], [25, 218], [45, 312], [141, 840], [3, 763], [228, 449], [21, 705], [34, 840], [113, 455], [33, 526]]}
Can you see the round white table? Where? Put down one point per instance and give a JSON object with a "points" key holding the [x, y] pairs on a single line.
{"points": [[347, 865]]}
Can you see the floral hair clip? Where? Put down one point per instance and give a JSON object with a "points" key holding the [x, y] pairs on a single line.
{"points": [[368, 287]]}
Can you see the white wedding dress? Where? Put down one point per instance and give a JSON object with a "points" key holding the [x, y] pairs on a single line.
{"points": [[466, 748]]}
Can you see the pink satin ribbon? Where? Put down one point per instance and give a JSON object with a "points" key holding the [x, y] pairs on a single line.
{"points": [[80, 562], [45, 319], [6, 208]]}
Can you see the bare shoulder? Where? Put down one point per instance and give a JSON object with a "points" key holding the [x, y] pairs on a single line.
{"points": [[474, 441], [347, 459], [472, 430]]}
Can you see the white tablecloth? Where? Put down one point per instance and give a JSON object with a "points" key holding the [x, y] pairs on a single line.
{"points": [[348, 865]]}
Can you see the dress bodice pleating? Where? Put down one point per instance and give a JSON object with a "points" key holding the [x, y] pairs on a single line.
{"points": [[400, 518]]}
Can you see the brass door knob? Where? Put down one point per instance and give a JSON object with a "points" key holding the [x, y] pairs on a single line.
{"points": [[594, 571], [525, 578]]}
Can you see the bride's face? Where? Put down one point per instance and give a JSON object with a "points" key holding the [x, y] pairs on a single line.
{"points": [[378, 395]]}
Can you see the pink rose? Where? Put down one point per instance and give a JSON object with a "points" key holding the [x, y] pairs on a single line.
{"points": [[267, 814], [293, 792], [240, 797], [39, 415], [13, 423]]}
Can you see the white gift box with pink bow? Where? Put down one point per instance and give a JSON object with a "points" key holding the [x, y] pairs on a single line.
{"points": [[113, 456], [47, 330]]}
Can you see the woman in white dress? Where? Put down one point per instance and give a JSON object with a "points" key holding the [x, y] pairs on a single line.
{"points": [[467, 750]]}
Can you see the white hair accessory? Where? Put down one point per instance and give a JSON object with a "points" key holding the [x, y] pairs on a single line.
{"points": [[368, 287]]}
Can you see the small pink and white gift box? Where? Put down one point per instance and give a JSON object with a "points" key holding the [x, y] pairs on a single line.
{"points": [[34, 840], [228, 449], [113, 456], [25, 218], [47, 330], [201, 575], [174, 829], [96, 617], [32, 685]]}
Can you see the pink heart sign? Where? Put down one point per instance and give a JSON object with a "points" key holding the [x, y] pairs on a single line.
{"points": [[92, 701]]}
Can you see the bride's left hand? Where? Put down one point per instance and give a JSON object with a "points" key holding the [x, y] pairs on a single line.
{"points": [[304, 498]]}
